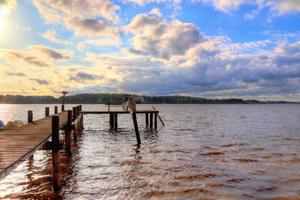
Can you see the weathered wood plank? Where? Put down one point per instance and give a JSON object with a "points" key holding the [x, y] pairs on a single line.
{"points": [[18, 144]]}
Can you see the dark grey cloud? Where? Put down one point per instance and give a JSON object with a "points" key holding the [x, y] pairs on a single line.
{"points": [[27, 59], [40, 81], [83, 77], [276, 72], [20, 74], [54, 54]]}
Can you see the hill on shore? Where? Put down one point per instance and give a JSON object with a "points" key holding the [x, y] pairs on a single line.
{"points": [[104, 98]]}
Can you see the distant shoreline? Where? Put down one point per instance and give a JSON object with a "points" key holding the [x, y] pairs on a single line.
{"points": [[115, 99]]}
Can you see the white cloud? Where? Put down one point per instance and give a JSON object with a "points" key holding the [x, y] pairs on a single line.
{"points": [[279, 6], [163, 39], [84, 17], [51, 36]]}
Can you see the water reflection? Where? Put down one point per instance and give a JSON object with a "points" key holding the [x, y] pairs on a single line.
{"points": [[204, 152]]}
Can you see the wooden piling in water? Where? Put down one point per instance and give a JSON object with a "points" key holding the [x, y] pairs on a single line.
{"points": [[30, 116], [136, 128], [151, 121], [74, 113], [155, 121], [47, 112], [116, 121], [147, 119], [55, 110], [111, 121], [55, 153], [68, 130], [81, 120], [62, 108]]}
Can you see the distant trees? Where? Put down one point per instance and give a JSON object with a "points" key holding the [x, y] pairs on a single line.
{"points": [[120, 98]]}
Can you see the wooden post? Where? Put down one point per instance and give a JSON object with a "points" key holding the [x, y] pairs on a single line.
{"points": [[74, 118], [111, 120], [116, 122], [47, 112], [30, 116], [62, 108], [55, 110], [68, 130], [147, 119], [81, 121], [155, 121], [160, 119], [74, 113], [136, 128], [55, 153], [151, 121]]}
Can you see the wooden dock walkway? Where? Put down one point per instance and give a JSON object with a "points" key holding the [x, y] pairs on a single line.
{"points": [[18, 144]]}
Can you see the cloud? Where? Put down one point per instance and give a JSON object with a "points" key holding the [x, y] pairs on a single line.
{"points": [[97, 18], [20, 74], [216, 67], [83, 77], [278, 6], [154, 36], [51, 36], [143, 2], [40, 81], [40, 56], [10, 4]]}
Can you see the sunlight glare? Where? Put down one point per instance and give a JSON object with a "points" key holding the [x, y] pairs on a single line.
{"points": [[3, 22]]}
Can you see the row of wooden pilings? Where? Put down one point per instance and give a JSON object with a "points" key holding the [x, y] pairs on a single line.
{"points": [[150, 121], [74, 124]]}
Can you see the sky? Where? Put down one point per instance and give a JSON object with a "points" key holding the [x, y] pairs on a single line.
{"points": [[206, 48]]}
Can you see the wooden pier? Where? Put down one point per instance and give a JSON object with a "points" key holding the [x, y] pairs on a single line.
{"points": [[18, 144]]}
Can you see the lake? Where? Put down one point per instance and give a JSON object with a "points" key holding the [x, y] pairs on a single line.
{"points": [[203, 152]]}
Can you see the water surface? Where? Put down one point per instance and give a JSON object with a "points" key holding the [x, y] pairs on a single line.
{"points": [[203, 152]]}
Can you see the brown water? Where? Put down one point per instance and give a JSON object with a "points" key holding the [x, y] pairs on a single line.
{"points": [[203, 152]]}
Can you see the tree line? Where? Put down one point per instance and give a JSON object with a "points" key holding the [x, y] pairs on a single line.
{"points": [[105, 98]]}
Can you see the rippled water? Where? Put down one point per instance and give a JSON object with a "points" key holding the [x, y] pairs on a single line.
{"points": [[203, 152]]}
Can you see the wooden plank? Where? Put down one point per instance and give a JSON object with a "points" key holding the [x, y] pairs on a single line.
{"points": [[20, 143]]}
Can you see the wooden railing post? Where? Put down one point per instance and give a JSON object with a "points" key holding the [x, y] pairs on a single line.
{"points": [[55, 110], [55, 153], [47, 112], [30, 116], [68, 141]]}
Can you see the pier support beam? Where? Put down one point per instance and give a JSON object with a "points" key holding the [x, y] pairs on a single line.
{"points": [[55, 110], [30, 116], [62, 108], [155, 121], [68, 130], [147, 119], [47, 112], [116, 121], [151, 121], [111, 121], [136, 128], [55, 154]]}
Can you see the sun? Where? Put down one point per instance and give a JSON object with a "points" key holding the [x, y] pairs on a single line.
{"points": [[3, 22]]}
